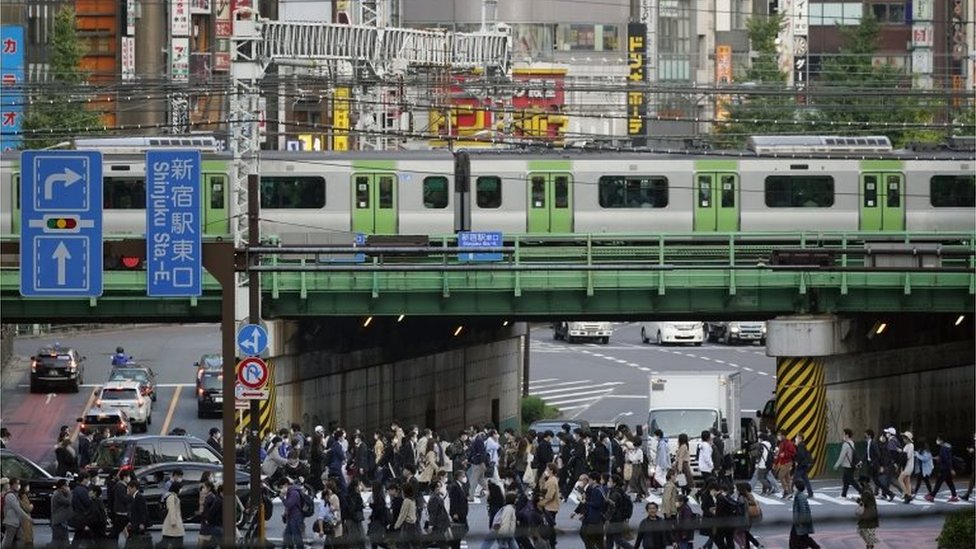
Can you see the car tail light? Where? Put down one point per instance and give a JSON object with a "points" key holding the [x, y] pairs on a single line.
{"points": [[125, 468], [33, 366], [122, 426], [81, 427], [72, 365]]}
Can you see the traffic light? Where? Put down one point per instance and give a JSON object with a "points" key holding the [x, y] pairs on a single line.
{"points": [[61, 223]]}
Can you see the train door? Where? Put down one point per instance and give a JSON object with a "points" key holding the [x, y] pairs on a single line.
{"points": [[374, 207], [882, 201], [550, 202], [15, 203], [215, 199], [716, 202]]}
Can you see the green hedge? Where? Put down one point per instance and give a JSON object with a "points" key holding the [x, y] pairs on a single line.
{"points": [[534, 409], [959, 531]]}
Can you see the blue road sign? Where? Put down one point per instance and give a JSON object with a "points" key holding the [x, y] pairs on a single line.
{"points": [[252, 339], [480, 240], [174, 247], [61, 224]]}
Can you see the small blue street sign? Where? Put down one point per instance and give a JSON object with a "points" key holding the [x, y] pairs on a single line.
{"points": [[61, 224], [174, 247], [252, 339], [480, 240]]}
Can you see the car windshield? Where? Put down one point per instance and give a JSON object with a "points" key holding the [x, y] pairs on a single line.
{"points": [[129, 374], [109, 454], [119, 394], [212, 362], [102, 419], [211, 383], [690, 422]]}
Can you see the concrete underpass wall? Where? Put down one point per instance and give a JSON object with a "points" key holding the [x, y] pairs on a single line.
{"points": [[447, 389], [927, 389]]}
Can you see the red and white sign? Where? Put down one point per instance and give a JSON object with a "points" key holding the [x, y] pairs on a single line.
{"points": [[179, 18], [243, 394], [252, 373], [128, 58], [922, 34], [180, 59]]}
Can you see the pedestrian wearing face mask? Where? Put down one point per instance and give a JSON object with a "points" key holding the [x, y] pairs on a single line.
{"points": [[353, 515], [438, 523], [458, 501]]}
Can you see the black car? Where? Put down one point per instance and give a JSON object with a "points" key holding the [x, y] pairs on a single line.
{"points": [[14, 465], [97, 418], [153, 479], [210, 394], [143, 375], [135, 452], [56, 365], [209, 363]]}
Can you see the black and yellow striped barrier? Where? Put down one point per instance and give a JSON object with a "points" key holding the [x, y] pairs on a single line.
{"points": [[266, 419], [801, 404]]}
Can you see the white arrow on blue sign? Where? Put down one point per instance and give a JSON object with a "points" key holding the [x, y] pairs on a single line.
{"points": [[252, 339], [61, 224]]}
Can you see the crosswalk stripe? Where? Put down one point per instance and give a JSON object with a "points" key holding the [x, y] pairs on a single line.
{"points": [[560, 402], [838, 501], [569, 389], [547, 396], [560, 384], [768, 501]]}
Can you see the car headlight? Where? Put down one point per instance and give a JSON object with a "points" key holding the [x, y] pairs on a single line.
{"points": [[734, 328]]}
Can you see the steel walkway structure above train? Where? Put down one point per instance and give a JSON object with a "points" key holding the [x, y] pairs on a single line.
{"points": [[669, 276]]}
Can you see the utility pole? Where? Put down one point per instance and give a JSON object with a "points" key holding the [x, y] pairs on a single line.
{"points": [[254, 317]]}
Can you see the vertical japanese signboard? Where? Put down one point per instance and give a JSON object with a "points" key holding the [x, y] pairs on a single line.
{"points": [[801, 27], [128, 58], [179, 11], [340, 119], [723, 78], [174, 247], [636, 99], [224, 28], [12, 69], [180, 59]]}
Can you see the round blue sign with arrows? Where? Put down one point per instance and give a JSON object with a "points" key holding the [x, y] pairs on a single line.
{"points": [[252, 339]]}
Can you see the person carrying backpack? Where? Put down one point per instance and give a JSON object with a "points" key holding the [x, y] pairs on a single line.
{"points": [[619, 509], [764, 467], [803, 461], [294, 516]]}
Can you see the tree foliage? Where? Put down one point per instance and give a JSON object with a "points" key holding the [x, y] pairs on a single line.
{"points": [[854, 95], [56, 109], [767, 105]]}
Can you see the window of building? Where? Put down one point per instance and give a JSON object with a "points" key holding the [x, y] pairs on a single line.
{"points": [[292, 192], [617, 191], [489, 191], [799, 191], [953, 191], [573, 37], [435, 192], [532, 40], [889, 13], [125, 193]]}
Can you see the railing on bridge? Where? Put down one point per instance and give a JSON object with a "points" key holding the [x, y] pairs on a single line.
{"points": [[598, 274]]}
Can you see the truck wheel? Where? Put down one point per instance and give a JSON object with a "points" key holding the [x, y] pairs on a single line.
{"points": [[726, 339], [605, 340], [555, 335], [644, 338], [698, 344], [660, 341], [570, 339]]}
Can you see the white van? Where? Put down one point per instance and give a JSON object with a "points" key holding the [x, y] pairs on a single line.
{"points": [[664, 333]]}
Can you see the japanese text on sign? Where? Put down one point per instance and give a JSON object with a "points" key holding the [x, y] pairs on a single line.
{"points": [[173, 224], [636, 102]]}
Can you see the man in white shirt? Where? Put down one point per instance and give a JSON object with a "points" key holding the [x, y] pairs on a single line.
{"points": [[492, 446], [705, 464]]}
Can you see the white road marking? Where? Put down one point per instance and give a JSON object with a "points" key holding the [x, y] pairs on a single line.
{"points": [[633, 365], [571, 389], [627, 396], [748, 369], [644, 369], [546, 380], [720, 361], [571, 401], [838, 501], [768, 501], [620, 361], [564, 383], [705, 358]]}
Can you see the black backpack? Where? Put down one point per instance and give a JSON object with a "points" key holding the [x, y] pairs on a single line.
{"points": [[626, 507], [307, 504]]}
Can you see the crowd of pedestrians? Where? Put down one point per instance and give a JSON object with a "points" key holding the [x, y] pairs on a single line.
{"points": [[415, 486]]}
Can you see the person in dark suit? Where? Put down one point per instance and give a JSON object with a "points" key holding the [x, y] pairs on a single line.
{"points": [[85, 449], [458, 501], [543, 455], [138, 529]]}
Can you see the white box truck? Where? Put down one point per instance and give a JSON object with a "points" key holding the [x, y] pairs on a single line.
{"points": [[582, 330], [691, 403]]}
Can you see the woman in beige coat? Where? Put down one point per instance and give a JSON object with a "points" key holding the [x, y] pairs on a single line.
{"points": [[173, 530], [26, 535], [429, 465], [669, 498], [682, 464]]}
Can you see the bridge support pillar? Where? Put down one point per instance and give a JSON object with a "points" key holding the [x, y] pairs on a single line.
{"points": [[800, 344], [911, 372]]}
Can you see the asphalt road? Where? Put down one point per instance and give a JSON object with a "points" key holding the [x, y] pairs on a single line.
{"points": [[605, 383], [618, 383]]}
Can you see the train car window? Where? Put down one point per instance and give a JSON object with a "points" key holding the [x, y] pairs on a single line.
{"points": [[953, 191], [538, 191], [704, 191], [218, 184], [435, 192], [870, 191], [125, 193], [728, 191], [561, 191], [799, 191], [386, 192], [894, 191], [292, 192], [489, 191], [16, 180], [362, 192], [618, 191]]}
